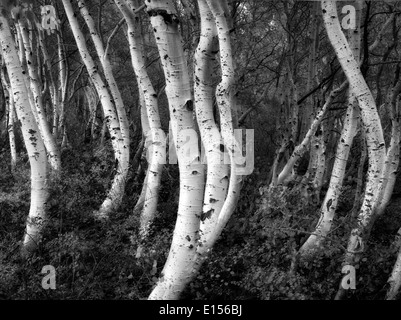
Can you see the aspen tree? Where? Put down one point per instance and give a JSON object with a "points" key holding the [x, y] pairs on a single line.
{"points": [[116, 192], [9, 99], [371, 126], [145, 138], [50, 80], [178, 267], [156, 136], [217, 171], [395, 278], [216, 214], [33, 141], [329, 205], [300, 150], [35, 85], [119, 107], [225, 102]]}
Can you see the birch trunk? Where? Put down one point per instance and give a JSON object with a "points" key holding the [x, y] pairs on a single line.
{"points": [[116, 191], [225, 102], [390, 168], [122, 169], [177, 269], [35, 85], [302, 148], [145, 135], [157, 137], [11, 132], [395, 278], [10, 109], [33, 141], [59, 113], [371, 125], [329, 205], [330, 201], [52, 83], [217, 171]]}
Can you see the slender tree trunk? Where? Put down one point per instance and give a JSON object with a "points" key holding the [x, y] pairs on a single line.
{"points": [[395, 278], [35, 85], [33, 141], [360, 176], [302, 148], [122, 168], [217, 170], [157, 137], [177, 269], [11, 132], [330, 201], [62, 91], [145, 136], [10, 110], [371, 126], [116, 191]]}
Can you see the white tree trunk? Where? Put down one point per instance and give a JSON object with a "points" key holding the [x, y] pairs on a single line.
{"points": [[33, 141], [302, 148], [330, 201], [157, 137], [217, 171], [145, 136], [10, 109], [118, 101], [178, 267], [395, 278], [371, 125], [116, 191], [35, 85]]}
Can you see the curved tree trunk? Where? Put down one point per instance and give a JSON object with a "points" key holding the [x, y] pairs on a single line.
{"points": [[35, 85], [116, 191], [395, 278], [157, 138], [145, 135], [9, 99], [329, 204], [122, 169], [33, 141], [303, 146], [178, 267], [224, 97], [217, 171], [371, 126]]}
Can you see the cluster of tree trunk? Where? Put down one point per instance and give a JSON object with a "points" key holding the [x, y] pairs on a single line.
{"points": [[201, 88]]}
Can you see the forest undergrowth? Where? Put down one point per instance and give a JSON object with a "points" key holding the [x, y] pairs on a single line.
{"points": [[251, 260]]}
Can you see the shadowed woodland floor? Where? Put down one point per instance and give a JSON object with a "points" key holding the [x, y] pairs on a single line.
{"points": [[250, 261]]}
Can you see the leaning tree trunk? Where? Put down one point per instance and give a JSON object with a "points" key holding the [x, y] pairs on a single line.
{"points": [[9, 98], [157, 137], [217, 171], [395, 278], [178, 267], [122, 168], [371, 126], [35, 85], [224, 98], [33, 141], [116, 191], [303, 146], [145, 138]]}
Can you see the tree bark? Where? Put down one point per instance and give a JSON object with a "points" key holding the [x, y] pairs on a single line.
{"points": [[157, 137], [35, 85], [371, 126], [177, 269], [116, 192], [33, 141]]}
